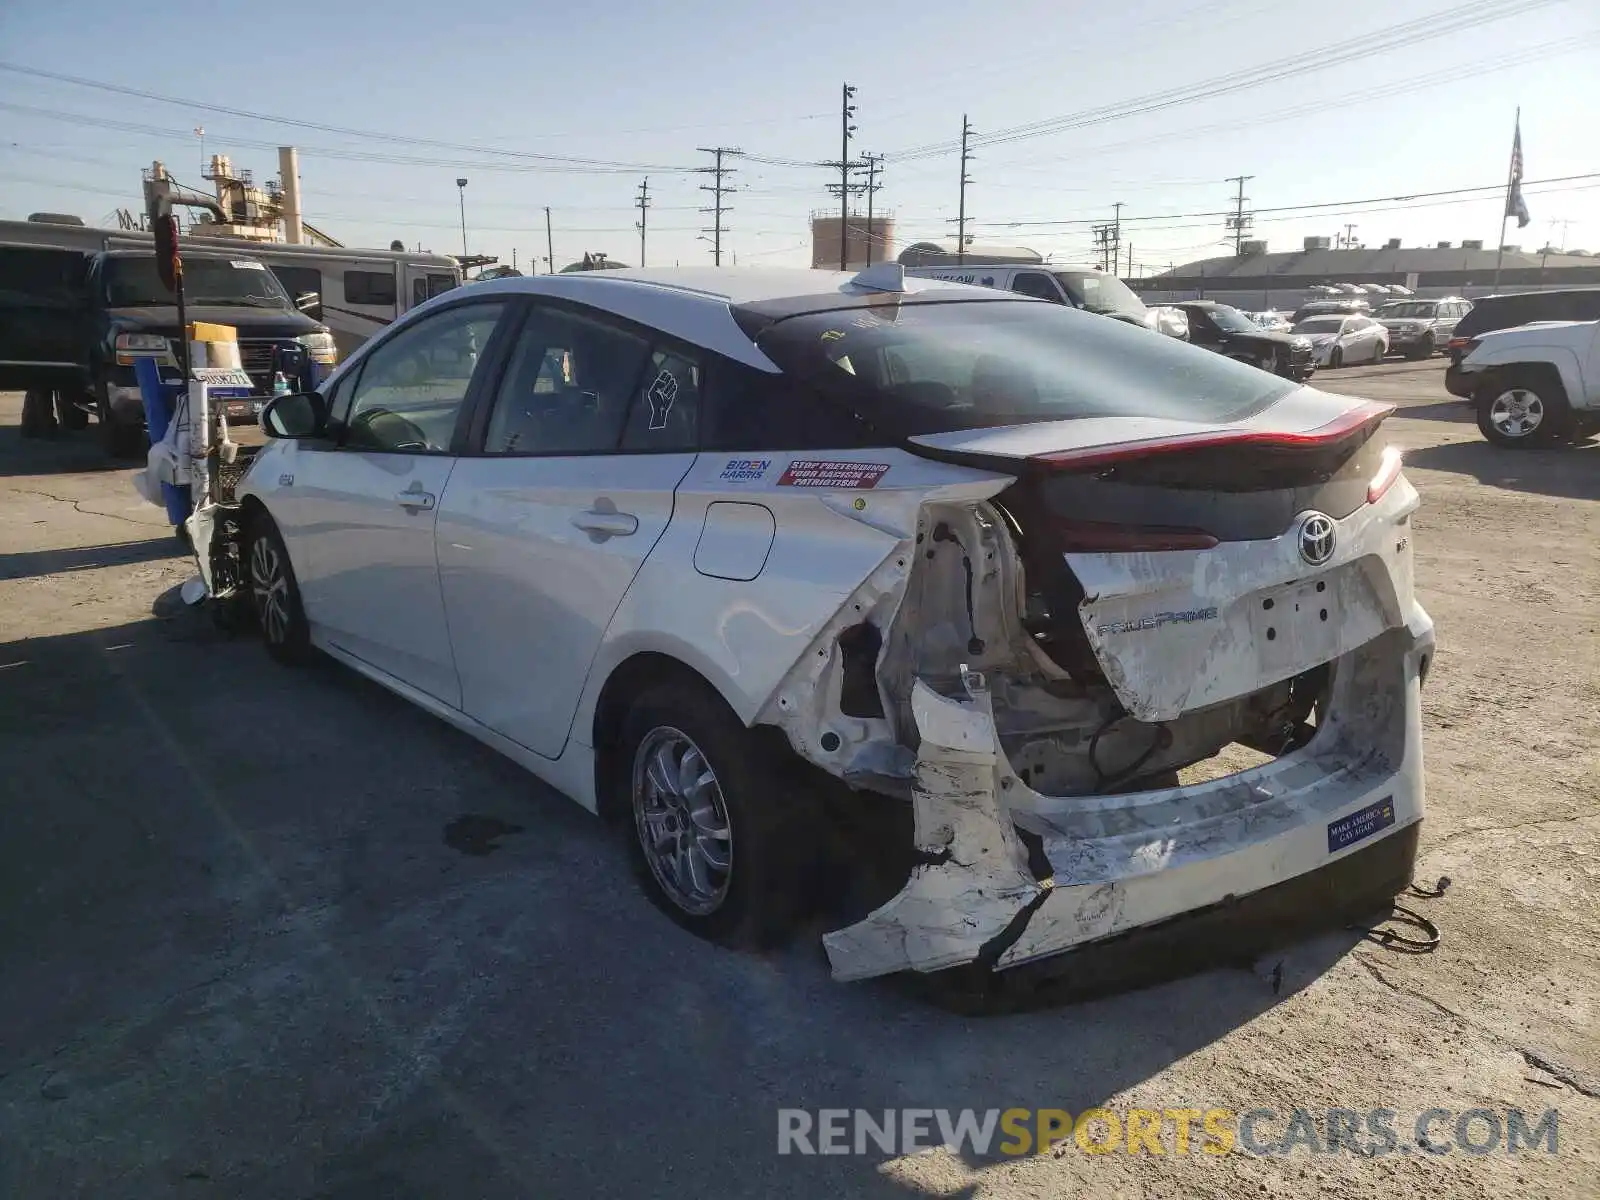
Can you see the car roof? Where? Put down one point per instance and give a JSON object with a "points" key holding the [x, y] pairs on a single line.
{"points": [[696, 304]]}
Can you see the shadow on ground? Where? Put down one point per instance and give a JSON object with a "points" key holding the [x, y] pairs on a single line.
{"points": [[1569, 472], [1451, 411], [29, 564], [242, 944], [65, 453]]}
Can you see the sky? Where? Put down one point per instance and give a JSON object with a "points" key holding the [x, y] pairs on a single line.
{"points": [[1342, 108]]}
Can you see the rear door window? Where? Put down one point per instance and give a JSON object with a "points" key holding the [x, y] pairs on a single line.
{"points": [[665, 413]]}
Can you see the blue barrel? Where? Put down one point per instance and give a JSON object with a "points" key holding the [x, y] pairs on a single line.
{"points": [[160, 399]]}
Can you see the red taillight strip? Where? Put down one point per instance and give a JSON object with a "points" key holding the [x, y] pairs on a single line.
{"points": [[1388, 471], [1335, 430]]}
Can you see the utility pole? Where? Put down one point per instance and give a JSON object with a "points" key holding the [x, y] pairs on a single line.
{"points": [[549, 242], [1104, 246], [873, 163], [961, 207], [642, 200], [717, 189], [461, 187], [1130, 260], [1350, 236], [1240, 222], [846, 111]]}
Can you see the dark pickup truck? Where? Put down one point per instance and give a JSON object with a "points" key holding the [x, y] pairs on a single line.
{"points": [[73, 324]]}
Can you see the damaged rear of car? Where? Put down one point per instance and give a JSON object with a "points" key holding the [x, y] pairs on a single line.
{"points": [[1148, 654]]}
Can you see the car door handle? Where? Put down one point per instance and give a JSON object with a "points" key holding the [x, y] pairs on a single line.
{"points": [[415, 501], [601, 525]]}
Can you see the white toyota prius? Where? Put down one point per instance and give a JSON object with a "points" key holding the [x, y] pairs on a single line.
{"points": [[1123, 629]]}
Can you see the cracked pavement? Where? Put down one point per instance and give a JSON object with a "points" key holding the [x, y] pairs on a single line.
{"points": [[245, 957]]}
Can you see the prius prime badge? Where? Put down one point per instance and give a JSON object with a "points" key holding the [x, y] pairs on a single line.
{"points": [[1316, 538]]}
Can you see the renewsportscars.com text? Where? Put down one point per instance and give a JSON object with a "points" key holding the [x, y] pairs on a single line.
{"points": [[1368, 1133]]}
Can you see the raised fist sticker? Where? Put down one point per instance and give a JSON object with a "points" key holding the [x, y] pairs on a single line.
{"points": [[662, 392]]}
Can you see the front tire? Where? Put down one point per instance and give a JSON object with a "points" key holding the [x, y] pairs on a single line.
{"points": [[1521, 410], [1423, 349], [1336, 359], [120, 441], [721, 833], [275, 595]]}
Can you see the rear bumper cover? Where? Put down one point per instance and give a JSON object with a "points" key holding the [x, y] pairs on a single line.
{"points": [[1135, 863], [1459, 382]]}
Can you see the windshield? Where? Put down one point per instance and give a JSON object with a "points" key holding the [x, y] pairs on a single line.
{"points": [[935, 367], [133, 283], [1231, 320], [1320, 325], [1105, 294], [1408, 308]]}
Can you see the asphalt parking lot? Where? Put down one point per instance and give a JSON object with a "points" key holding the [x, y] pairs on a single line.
{"points": [[276, 934]]}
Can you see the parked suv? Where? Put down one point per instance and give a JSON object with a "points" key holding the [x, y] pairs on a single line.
{"points": [[1419, 327], [1507, 312], [75, 324]]}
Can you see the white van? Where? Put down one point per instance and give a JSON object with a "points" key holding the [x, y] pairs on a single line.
{"points": [[1088, 288]]}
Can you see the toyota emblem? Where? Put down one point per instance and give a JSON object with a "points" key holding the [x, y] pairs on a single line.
{"points": [[1316, 538]]}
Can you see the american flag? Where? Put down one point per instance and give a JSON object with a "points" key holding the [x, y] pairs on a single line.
{"points": [[1515, 205]]}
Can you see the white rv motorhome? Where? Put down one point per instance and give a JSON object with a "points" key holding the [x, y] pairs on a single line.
{"points": [[357, 292]]}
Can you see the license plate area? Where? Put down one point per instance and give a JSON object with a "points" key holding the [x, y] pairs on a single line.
{"points": [[1296, 625]]}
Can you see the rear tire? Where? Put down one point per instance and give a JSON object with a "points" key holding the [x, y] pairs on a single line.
{"points": [[38, 418], [1522, 409], [275, 594], [722, 831]]}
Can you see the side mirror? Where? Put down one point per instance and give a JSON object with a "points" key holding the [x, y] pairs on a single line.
{"points": [[306, 301], [297, 415]]}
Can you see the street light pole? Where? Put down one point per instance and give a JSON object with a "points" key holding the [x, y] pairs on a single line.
{"points": [[461, 188]]}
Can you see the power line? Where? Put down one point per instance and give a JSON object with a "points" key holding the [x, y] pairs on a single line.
{"points": [[331, 152], [320, 126], [1429, 27], [1298, 207]]}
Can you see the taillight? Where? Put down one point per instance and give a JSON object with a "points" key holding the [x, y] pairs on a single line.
{"points": [[1388, 471], [1462, 345], [1102, 537], [1339, 428]]}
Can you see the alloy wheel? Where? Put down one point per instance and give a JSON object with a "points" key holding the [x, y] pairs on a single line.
{"points": [[269, 584], [681, 821], [1517, 413]]}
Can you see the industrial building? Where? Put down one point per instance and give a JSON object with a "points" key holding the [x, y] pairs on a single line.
{"points": [[1258, 279], [859, 236]]}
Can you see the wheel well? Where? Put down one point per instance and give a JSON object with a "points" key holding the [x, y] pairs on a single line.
{"points": [[1536, 374], [629, 678], [253, 510]]}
